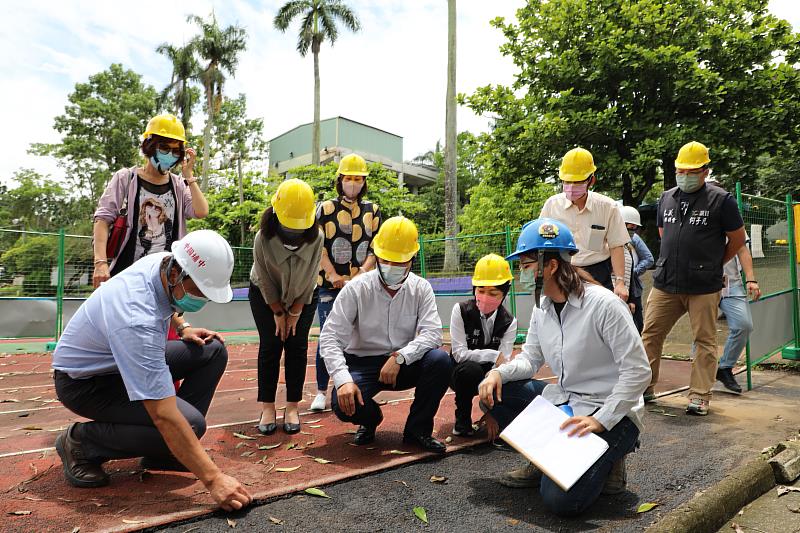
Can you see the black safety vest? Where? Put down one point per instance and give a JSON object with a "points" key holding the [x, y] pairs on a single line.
{"points": [[474, 330], [693, 241]]}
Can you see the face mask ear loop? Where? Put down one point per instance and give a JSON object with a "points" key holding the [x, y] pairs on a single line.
{"points": [[171, 286], [539, 278]]}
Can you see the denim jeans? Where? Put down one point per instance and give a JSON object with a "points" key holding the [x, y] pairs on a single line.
{"points": [[324, 307], [428, 376], [621, 441], [740, 325]]}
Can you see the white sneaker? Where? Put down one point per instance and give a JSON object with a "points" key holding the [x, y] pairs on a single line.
{"points": [[319, 402]]}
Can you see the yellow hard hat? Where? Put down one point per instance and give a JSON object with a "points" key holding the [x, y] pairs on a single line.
{"points": [[577, 165], [692, 155], [293, 203], [397, 240], [166, 125], [353, 165], [490, 271]]}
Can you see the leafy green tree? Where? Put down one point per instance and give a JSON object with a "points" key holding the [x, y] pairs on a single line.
{"points": [[220, 48], [777, 175], [318, 25], [227, 211], [101, 128], [179, 96], [238, 140], [634, 80]]}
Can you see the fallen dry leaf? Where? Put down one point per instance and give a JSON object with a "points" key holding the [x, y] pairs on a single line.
{"points": [[782, 489], [231, 523], [76, 529], [736, 527], [287, 469], [245, 437], [129, 521], [274, 520], [313, 421], [291, 445], [438, 479], [19, 513], [314, 491], [269, 446], [646, 507], [512, 521], [316, 426], [398, 452], [322, 461], [248, 454]]}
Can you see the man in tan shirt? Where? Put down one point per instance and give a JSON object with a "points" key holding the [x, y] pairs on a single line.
{"points": [[594, 219]]}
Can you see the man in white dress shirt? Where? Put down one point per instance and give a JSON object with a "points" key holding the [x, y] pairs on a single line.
{"points": [[384, 333]]}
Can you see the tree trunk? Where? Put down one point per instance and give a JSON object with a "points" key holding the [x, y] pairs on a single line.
{"points": [[315, 126], [669, 171], [450, 176], [207, 139], [241, 195]]}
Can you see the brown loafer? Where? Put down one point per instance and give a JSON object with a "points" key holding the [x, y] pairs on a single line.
{"points": [[79, 471]]}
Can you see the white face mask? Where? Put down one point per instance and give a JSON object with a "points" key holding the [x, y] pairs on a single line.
{"points": [[393, 276]]}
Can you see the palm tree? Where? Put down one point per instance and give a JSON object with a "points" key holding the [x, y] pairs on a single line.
{"points": [[185, 69], [450, 175], [220, 48], [318, 24]]}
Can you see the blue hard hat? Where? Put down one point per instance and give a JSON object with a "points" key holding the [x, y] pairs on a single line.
{"points": [[544, 234]]}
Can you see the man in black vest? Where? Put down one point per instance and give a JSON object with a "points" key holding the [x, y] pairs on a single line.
{"points": [[694, 219], [482, 335]]}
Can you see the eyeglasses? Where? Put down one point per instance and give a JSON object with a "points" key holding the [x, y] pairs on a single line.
{"points": [[164, 149]]}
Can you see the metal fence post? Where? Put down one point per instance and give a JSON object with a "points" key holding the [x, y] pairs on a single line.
{"points": [[60, 286], [792, 352], [422, 271], [513, 291]]}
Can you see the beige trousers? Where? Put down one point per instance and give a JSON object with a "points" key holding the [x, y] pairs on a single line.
{"points": [[662, 312]]}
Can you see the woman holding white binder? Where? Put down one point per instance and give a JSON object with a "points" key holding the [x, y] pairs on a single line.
{"points": [[587, 337]]}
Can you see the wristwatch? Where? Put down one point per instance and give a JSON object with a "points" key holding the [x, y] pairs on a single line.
{"points": [[399, 359], [182, 327]]}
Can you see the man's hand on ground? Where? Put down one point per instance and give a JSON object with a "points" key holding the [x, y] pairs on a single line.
{"points": [[347, 396], [229, 493]]}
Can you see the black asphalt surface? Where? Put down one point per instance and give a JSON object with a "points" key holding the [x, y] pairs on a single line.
{"points": [[680, 455]]}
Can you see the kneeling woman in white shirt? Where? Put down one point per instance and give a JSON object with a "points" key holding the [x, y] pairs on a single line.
{"points": [[482, 335], [587, 337]]}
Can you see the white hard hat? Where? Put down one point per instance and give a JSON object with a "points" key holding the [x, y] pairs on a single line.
{"points": [[630, 215], [207, 258]]}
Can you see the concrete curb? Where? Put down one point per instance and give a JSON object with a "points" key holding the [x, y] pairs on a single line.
{"points": [[711, 509]]}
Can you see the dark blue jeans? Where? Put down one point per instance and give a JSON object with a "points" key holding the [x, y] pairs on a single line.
{"points": [[621, 441], [430, 375], [324, 307]]}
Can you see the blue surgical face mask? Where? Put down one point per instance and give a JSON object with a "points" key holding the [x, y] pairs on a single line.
{"points": [[689, 183], [189, 303], [163, 162], [527, 278], [393, 276]]}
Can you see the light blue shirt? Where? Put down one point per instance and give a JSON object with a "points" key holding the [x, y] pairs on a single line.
{"points": [[122, 328]]}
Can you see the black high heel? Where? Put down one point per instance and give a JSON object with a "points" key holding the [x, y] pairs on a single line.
{"points": [[288, 427], [268, 429]]}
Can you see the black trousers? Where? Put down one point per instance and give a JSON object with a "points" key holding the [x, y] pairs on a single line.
{"points": [[428, 376], [464, 381], [121, 428], [270, 348], [601, 272]]}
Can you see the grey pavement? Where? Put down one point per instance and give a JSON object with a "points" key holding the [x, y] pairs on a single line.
{"points": [[680, 455]]}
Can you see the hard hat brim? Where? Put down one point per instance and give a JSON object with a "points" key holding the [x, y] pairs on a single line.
{"points": [[147, 134], [690, 166], [572, 178], [364, 174], [490, 282], [297, 223], [395, 257], [220, 295]]}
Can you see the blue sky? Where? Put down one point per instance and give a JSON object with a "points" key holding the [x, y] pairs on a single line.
{"points": [[391, 75]]}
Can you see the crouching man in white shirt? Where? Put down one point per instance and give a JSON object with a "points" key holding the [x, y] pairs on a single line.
{"points": [[384, 333]]}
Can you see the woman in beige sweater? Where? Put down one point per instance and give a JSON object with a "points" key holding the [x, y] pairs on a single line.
{"points": [[286, 256]]}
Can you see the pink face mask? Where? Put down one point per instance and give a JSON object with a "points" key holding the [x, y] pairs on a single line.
{"points": [[351, 189], [487, 304], [574, 191]]}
